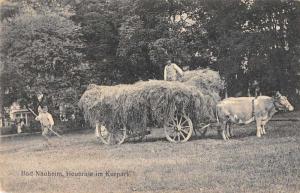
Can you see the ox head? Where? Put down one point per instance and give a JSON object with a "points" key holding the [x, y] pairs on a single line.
{"points": [[281, 102]]}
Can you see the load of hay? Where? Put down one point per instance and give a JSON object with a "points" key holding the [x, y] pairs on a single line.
{"points": [[149, 103], [206, 80]]}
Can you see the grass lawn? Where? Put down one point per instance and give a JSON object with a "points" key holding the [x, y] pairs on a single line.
{"points": [[243, 164]]}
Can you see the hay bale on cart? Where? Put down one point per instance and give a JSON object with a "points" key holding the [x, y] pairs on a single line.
{"points": [[206, 80], [125, 110]]}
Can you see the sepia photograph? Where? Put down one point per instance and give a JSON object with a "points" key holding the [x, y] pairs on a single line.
{"points": [[149, 96]]}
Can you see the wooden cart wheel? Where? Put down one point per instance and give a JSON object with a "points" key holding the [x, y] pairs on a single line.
{"points": [[179, 128], [114, 137]]}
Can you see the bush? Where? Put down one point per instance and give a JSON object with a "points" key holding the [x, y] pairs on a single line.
{"points": [[12, 129]]}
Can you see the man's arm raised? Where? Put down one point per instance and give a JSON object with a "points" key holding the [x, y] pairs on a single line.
{"points": [[178, 69]]}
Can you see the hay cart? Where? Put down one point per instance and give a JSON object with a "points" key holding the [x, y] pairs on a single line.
{"points": [[126, 112]]}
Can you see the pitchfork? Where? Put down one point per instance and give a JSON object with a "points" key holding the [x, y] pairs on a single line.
{"points": [[58, 135]]}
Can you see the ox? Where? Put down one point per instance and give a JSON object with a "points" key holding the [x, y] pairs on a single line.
{"points": [[244, 110]]}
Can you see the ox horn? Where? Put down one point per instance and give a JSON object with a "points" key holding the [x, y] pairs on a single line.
{"points": [[278, 94]]}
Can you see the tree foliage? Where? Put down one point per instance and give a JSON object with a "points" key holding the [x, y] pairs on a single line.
{"points": [[41, 53], [60, 46]]}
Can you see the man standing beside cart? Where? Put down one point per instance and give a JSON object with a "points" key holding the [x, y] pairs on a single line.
{"points": [[172, 72]]}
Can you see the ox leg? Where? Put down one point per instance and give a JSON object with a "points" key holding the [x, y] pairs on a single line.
{"points": [[263, 131], [229, 133], [263, 123], [224, 130], [227, 127], [258, 128], [224, 135]]}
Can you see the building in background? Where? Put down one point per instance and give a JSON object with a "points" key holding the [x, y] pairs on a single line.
{"points": [[15, 114]]}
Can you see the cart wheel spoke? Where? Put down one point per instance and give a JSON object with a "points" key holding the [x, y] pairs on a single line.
{"points": [[184, 131], [185, 126], [180, 120], [178, 137], [176, 120], [182, 134], [173, 137], [174, 123], [185, 121]]}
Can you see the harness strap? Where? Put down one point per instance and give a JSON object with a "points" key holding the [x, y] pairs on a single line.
{"points": [[276, 107], [253, 112]]}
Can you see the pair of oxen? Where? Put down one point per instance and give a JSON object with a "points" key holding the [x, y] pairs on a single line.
{"points": [[244, 110]]}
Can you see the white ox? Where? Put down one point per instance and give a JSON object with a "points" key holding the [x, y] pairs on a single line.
{"points": [[244, 110]]}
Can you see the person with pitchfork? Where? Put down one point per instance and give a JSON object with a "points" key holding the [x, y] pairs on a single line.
{"points": [[45, 119]]}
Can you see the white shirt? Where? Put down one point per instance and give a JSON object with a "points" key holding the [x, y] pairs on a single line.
{"points": [[171, 71], [45, 118]]}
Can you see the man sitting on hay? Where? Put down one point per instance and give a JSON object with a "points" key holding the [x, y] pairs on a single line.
{"points": [[172, 72]]}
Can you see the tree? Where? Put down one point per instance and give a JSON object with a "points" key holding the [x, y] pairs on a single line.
{"points": [[149, 36], [247, 41], [41, 53], [122, 41], [100, 22]]}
